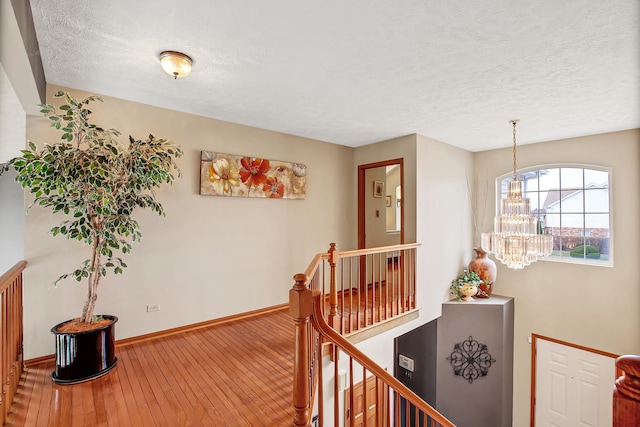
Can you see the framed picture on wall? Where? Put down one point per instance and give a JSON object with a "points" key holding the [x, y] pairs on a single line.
{"points": [[378, 187], [235, 175], [388, 201]]}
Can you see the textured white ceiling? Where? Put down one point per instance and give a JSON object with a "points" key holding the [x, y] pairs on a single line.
{"points": [[361, 71]]}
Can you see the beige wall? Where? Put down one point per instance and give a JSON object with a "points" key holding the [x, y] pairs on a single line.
{"points": [[210, 256], [442, 219], [597, 307]]}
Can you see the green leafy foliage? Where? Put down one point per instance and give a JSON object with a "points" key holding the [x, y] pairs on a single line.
{"points": [[97, 183], [587, 251], [464, 278]]}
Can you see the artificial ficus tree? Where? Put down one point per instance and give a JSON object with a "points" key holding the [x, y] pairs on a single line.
{"points": [[97, 183]]}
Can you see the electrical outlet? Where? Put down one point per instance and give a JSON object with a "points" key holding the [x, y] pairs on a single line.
{"points": [[153, 307]]}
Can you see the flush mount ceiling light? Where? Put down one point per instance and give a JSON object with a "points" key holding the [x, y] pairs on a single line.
{"points": [[515, 240], [175, 64]]}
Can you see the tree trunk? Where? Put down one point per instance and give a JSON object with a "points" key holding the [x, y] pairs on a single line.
{"points": [[92, 285]]}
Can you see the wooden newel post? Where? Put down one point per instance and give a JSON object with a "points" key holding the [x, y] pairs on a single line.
{"points": [[300, 307], [626, 394], [333, 291]]}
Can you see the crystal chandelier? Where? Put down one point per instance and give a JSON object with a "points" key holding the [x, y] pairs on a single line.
{"points": [[515, 240]]}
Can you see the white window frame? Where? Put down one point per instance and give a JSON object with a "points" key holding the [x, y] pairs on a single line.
{"points": [[568, 260]]}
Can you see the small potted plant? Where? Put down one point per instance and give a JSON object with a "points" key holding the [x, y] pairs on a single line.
{"points": [[465, 286], [96, 182]]}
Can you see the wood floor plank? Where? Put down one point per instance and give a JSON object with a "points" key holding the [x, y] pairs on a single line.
{"points": [[232, 374], [77, 405], [64, 399], [240, 396], [225, 399], [161, 407], [174, 406], [139, 413], [119, 401], [44, 408]]}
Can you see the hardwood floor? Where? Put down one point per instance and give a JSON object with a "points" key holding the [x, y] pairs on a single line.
{"points": [[233, 374]]}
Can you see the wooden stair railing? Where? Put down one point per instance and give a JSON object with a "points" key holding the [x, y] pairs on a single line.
{"points": [[11, 335], [626, 394], [360, 288], [365, 287], [311, 331]]}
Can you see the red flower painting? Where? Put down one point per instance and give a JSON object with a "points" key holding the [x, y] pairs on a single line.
{"points": [[253, 170], [273, 189], [236, 175]]}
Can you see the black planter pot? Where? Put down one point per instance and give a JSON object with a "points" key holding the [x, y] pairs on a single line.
{"points": [[83, 356]]}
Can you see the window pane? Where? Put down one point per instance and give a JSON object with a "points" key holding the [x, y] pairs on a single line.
{"points": [[572, 231], [569, 243], [552, 221], [597, 228], [572, 224], [571, 201], [597, 224], [549, 179], [571, 178], [596, 200], [530, 181], [598, 178], [552, 202]]}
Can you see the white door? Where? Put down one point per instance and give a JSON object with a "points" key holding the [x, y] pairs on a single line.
{"points": [[573, 387]]}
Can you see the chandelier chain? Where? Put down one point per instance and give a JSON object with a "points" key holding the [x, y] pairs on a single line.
{"points": [[514, 122]]}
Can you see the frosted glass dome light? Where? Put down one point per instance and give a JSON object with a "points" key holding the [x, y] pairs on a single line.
{"points": [[175, 64]]}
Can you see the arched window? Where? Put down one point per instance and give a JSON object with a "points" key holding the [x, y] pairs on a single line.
{"points": [[572, 203]]}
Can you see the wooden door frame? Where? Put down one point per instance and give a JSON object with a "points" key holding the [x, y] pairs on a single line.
{"points": [[361, 197], [534, 351]]}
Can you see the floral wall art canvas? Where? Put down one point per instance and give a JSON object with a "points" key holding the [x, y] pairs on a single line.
{"points": [[242, 176]]}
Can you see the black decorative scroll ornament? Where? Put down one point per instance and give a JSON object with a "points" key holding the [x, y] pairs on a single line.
{"points": [[470, 359]]}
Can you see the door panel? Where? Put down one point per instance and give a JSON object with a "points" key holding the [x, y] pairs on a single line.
{"points": [[573, 386], [377, 408]]}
